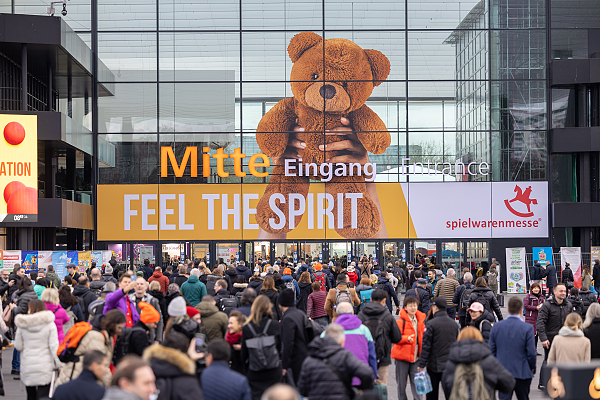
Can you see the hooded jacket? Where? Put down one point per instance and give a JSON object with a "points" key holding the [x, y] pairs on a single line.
{"points": [[214, 321], [193, 290], [175, 373], [305, 291], [272, 294], [588, 297], [23, 299], [232, 274], [577, 303], [358, 341], [530, 303], [160, 278], [294, 340], [118, 299], [55, 279], [256, 284], [484, 327], [238, 287], [108, 278], [390, 335], [385, 284], [244, 271], [85, 297], [468, 351], [569, 347], [486, 296], [97, 286], [331, 295], [405, 350], [551, 318], [60, 318], [289, 278], [37, 340], [317, 381]]}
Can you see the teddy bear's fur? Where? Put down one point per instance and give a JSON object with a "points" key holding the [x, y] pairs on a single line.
{"points": [[330, 79]]}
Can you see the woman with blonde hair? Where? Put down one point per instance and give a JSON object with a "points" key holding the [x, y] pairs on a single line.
{"points": [[471, 367], [260, 321], [591, 328], [52, 302], [570, 345]]}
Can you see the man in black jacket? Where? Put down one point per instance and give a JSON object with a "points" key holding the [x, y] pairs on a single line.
{"points": [[548, 271], [85, 387], [596, 276], [293, 332], [551, 318], [384, 283], [422, 294], [328, 370], [84, 295], [440, 334], [376, 317], [458, 298]]}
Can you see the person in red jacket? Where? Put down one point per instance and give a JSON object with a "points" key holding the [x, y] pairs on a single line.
{"points": [[160, 278], [406, 352]]}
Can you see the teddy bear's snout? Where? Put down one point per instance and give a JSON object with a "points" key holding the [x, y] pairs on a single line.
{"points": [[327, 92]]}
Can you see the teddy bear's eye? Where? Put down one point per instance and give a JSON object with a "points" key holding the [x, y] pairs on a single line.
{"points": [[345, 84], [315, 76]]}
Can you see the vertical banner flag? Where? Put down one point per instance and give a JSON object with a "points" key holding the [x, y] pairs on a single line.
{"points": [[60, 260], [29, 261], [44, 259], [515, 262], [572, 255], [595, 254], [542, 255]]}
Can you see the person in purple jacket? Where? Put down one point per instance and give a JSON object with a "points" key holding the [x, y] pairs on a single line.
{"points": [[359, 340], [120, 300]]}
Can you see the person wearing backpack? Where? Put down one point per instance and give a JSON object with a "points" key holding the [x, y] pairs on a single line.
{"points": [[71, 307], [294, 346], [481, 319], [290, 283], [461, 297], [512, 342], [262, 373], [137, 338], [472, 372], [193, 290], [492, 278], [364, 290], [421, 293], [384, 330], [341, 293], [321, 277], [484, 295], [214, 321], [384, 283]]}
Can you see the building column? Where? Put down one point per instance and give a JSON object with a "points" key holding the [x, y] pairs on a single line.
{"points": [[24, 77]]}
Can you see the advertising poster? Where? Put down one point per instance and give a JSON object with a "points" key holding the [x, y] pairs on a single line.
{"points": [[542, 255], [595, 252], [44, 259], [29, 260], [572, 255], [11, 257], [72, 257], [96, 256], [516, 278], [60, 260], [146, 253], [18, 168], [84, 260]]}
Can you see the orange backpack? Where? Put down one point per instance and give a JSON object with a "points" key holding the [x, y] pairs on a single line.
{"points": [[68, 347]]}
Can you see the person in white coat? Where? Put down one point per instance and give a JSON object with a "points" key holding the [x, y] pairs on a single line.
{"points": [[37, 340]]}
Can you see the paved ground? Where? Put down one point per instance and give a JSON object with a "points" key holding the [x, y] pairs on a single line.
{"points": [[16, 390]]}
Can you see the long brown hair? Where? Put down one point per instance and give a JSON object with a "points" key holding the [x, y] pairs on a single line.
{"points": [[260, 308], [305, 277], [36, 306], [470, 332], [269, 283]]}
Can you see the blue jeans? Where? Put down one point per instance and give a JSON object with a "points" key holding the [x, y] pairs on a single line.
{"points": [[16, 361], [451, 312]]}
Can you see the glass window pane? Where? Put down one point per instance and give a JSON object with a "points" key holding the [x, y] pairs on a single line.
{"points": [[199, 14], [132, 108], [129, 56], [304, 15], [517, 14], [135, 15], [518, 54], [135, 159], [569, 44], [374, 14], [575, 14], [518, 105], [443, 14]]}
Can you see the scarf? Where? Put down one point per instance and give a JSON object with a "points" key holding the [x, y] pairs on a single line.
{"points": [[233, 338]]}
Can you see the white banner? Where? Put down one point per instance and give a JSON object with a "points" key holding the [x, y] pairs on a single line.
{"points": [[571, 255], [10, 258], [478, 209], [515, 270], [44, 259], [106, 256]]}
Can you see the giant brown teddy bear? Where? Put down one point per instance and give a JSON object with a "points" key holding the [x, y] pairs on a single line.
{"points": [[324, 92]]}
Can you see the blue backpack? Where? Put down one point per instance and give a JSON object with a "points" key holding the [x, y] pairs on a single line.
{"points": [[365, 296]]}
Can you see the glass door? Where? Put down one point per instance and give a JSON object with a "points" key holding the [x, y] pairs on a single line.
{"points": [[227, 253], [452, 256], [262, 251], [424, 250], [171, 253], [340, 251], [311, 252], [200, 252], [477, 258], [366, 250], [392, 252], [285, 250]]}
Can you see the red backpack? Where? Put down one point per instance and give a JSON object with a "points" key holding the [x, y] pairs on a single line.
{"points": [[321, 280]]}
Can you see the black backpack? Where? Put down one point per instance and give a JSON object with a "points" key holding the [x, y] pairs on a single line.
{"points": [[122, 343], [465, 298], [228, 304], [480, 298], [262, 349], [375, 326], [210, 283]]}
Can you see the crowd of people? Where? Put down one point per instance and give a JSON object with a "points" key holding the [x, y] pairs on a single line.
{"points": [[281, 331]]}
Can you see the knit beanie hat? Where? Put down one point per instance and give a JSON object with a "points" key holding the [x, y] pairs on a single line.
{"points": [[287, 271], [148, 314], [177, 307], [191, 311], [318, 267], [286, 298]]}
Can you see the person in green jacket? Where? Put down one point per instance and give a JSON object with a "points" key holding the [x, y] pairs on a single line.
{"points": [[193, 290], [53, 277]]}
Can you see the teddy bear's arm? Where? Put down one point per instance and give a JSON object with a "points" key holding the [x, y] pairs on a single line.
{"points": [[370, 129], [272, 133]]}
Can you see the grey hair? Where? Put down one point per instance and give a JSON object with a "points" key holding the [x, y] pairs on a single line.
{"points": [[592, 313], [451, 272], [195, 272], [50, 295], [280, 391], [269, 270], [345, 308], [336, 332], [468, 277], [110, 287], [173, 288]]}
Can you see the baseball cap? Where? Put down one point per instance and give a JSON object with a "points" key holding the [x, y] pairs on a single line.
{"points": [[421, 281], [440, 302], [476, 306]]}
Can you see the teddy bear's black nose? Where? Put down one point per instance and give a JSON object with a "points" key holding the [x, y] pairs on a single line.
{"points": [[327, 92]]}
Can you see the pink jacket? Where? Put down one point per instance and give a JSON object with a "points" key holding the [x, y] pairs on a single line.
{"points": [[60, 318]]}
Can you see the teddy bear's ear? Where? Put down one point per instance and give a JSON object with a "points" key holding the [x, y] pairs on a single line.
{"points": [[302, 42], [380, 66]]}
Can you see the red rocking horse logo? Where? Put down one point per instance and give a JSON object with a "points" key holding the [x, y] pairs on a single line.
{"points": [[522, 197]]}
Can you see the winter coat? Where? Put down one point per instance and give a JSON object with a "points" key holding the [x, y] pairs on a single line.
{"points": [[551, 318], [390, 334], [170, 297], [97, 286], [530, 303], [535, 272], [60, 318], [586, 280], [441, 332], [423, 296], [331, 295], [232, 274], [318, 382], [38, 289], [23, 299], [458, 295], [139, 339], [214, 321], [238, 287], [85, 297], [294, 346], [147, 272], [550, 274], [569, 347], [175, 373], [315, 306], [577, 303], [484, 327], [174, 276], [592, 332], [492, 272], [512, 342], [446, 288], [244, 271], [486, 296], [193, 290], [385, 284], [468, 351], [588, 297], [305, 291], [358, 341], [189, 328], [320, 274], [55, 279], [162, 303], [119, 300], [220, 382], [160, 278], [353, 277], [567, 276], [245, 308], [256, 284], [596, 274], [108, 278], [288, 278], [272, 294], [359, 288], [405, 350], [37, 340], [84, 387]]}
